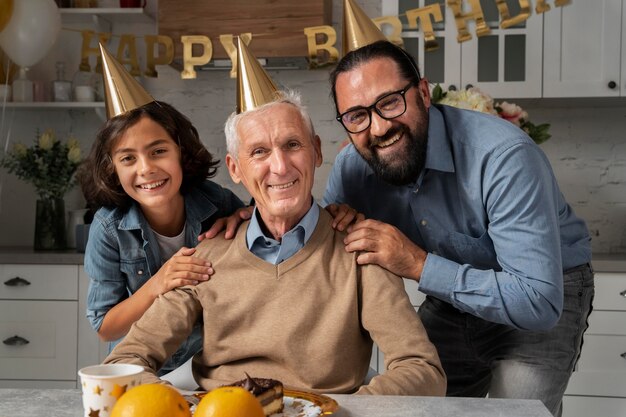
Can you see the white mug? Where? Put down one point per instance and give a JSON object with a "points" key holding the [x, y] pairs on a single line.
{"points": [[102, 386], [84, 93]]}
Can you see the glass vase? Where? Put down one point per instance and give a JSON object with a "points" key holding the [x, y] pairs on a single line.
{"points": [[50, 232]]}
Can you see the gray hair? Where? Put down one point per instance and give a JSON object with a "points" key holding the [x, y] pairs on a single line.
{"points": [[286, 96]]}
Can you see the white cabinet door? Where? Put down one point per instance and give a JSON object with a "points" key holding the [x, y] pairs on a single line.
{"points": [[441, 66], [579, 406], [91, 350], [505, 62], [582, 49], [38, 340]]}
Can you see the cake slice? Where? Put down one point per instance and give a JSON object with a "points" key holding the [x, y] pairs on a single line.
{"points": [[269, 392]]}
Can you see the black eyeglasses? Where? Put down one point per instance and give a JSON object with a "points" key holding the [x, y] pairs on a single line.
{"points": [[388, 107]]}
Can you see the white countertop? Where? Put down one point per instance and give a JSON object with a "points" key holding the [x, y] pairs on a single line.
{"points": [[68, 403]]}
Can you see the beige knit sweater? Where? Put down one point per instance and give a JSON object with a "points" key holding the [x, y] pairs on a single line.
{"points": [[308, 321]]}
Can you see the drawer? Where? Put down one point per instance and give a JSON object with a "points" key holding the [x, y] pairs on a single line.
{"points": [[51, 331], [38, 282], [607, 323], [603, 353], [610, 291], [579, 406], [597, 383], [601, 370]]}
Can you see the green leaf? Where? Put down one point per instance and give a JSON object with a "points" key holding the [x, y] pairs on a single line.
{"points": [[438, 94]]}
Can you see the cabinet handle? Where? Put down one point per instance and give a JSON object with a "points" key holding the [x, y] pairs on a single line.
{"points": [[468, 86], [623, 293], [15, 341], [17, 282], [452, 88], [612, 85]]}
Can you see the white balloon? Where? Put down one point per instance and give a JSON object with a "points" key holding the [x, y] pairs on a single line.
{"points": [[32, 30]]}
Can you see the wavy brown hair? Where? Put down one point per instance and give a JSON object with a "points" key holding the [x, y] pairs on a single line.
{"points": [[97, 177]]}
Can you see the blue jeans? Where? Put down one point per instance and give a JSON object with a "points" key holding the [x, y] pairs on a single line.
{"points": [[483, 358]]}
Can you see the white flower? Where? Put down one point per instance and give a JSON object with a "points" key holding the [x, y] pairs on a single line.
{"points": [[471, 99], [20, 150], [47, 139], [74, 154]]}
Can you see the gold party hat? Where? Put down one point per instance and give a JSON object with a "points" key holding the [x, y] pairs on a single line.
{"points": [[121, 90], [254, 85], [358, 28]]}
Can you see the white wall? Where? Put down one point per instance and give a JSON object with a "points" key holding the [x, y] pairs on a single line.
{"points": [[587, 150]]}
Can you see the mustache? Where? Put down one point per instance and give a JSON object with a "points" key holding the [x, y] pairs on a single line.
{"points": [[376, 140]]}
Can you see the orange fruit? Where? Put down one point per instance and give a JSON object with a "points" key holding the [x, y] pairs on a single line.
{"points": [[229, 402], [154, 400]]}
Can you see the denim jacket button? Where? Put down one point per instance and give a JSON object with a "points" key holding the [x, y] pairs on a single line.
{"points": [[140, 272]]}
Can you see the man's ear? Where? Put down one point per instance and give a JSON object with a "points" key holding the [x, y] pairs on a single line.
{"points": [[424, 91], [233, 169], [317, 144]]}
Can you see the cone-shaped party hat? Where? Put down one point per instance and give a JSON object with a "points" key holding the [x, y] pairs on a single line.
{"points": [[254, 85], [121, 90], [358, 28]]}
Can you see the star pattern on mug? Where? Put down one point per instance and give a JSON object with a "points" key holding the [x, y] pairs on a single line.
{"points": [[117, 391], [97, 390], [94, 413]]}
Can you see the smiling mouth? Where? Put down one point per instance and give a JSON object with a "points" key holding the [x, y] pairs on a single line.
{"points": [[283, 186], [151, 185], [389, 141]]}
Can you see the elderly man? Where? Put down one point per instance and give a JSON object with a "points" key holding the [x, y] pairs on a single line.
{"points": [[286, 300]]}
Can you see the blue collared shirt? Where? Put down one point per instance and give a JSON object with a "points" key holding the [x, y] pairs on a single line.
{"points": [[489, 212], [273, 251]]}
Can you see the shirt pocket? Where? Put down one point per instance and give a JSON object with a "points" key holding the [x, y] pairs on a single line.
{"points": [[476, 251], [136, 272]]}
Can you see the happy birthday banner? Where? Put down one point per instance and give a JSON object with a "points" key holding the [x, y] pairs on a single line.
{"points": [[321, 40]]}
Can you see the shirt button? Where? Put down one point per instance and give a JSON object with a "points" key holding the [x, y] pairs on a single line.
{"points": [[423, 222], [140, 272]]}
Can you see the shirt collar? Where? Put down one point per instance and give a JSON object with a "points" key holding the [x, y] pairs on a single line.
{"points": [[438, 151], [307, 223]]}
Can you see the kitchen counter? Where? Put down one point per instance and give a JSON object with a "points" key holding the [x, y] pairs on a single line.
{"points": [[27, 255], [68, 403], [602, 262]]}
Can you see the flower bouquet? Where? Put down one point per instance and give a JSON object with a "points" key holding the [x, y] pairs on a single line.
{"points": [[474, 99], [49, 165]]}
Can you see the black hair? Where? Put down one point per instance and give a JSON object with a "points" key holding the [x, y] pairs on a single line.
{"points": [[380, 49], [97, 177]]}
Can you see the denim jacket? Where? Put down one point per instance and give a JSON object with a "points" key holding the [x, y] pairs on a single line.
{"points": [[122, 254]]}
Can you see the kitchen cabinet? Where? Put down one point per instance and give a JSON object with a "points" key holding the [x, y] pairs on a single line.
{"points": [[43, 329], [585, 50], [598, 386], [504, 63]]}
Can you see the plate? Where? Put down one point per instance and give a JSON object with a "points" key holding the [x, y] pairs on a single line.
{"points": [[297, 403], [325, 403]]}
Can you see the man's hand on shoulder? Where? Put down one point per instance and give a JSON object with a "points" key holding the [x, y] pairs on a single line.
{"points": [[230, 224], [385, 245], [343, 216]]}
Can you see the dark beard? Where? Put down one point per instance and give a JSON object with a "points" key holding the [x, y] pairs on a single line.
{"points": [[410, 162], [405, 172]]}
